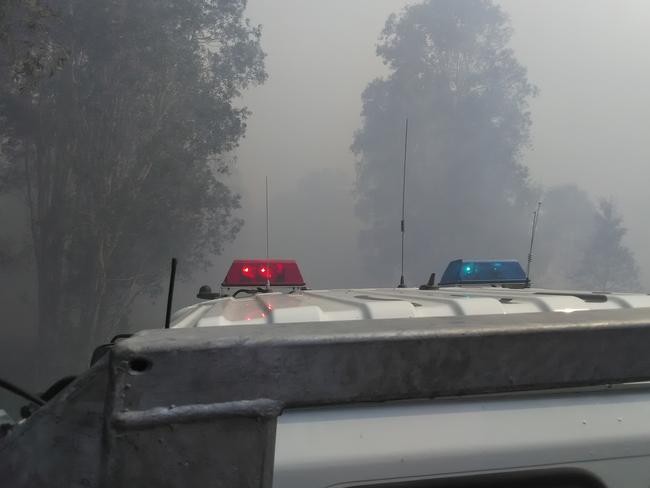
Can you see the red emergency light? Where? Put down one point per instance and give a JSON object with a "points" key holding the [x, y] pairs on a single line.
{"points": [[256, 272]]}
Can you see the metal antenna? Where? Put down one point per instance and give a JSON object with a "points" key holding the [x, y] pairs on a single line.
{"points": [[403, 226], [268, 281], [532, 240], [170, 294]]}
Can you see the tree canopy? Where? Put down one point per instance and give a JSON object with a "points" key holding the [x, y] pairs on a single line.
{"points": [[122, 151], [27, 51], [452, 74]]}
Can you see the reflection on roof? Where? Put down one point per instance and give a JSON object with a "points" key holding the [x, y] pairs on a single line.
{"points": [[387, 303]]}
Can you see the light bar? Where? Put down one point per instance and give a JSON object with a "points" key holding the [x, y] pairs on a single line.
{"points": [[475, 272], [255, 272]]}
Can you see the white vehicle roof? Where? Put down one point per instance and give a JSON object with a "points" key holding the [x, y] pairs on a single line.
{"points": [[390, 303]]}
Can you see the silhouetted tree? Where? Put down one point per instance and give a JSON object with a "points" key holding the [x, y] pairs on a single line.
{"points": [[607, 263], [121, 153], [454, 77]]}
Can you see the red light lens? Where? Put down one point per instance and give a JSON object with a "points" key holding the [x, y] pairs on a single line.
{"points": [[255, 272], [247, 271]]}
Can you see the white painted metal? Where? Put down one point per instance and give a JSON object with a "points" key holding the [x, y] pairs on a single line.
{"points": [[604, 432], [384, 303]]}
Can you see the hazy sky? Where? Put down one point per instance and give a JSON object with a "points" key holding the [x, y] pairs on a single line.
{"points": [[591, 61], [589, 58]]}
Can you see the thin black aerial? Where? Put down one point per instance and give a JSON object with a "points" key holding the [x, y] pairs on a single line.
{"points": [[403, 222], [532, 240], [170, 295]]}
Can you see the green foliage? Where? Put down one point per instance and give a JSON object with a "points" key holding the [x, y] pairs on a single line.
{"points": [[121, 152], [454, 77], [608, 265]]}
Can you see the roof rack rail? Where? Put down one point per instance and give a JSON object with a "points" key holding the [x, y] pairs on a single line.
{"points": [[586, 297]]}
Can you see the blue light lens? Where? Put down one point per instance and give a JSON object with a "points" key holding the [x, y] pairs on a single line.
{"points": [[461, 271]]}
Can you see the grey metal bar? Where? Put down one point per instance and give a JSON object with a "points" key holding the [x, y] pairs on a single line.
{"points": [[378, 360], [198, 407]]}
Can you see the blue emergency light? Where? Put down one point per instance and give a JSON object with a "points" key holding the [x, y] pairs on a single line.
{"points": [[484, 272]]}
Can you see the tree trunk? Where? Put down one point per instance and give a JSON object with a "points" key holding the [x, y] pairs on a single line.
{"points": [[53, 359]]}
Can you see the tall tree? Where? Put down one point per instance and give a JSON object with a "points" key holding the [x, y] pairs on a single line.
{"points": [[607, 263], [121, 154], [454, 77]]}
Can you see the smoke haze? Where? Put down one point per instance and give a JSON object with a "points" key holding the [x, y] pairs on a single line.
{"points": [[588, 58], [588, 120]]}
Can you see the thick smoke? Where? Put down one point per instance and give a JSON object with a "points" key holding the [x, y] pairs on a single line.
{"points": [[474, 175]]}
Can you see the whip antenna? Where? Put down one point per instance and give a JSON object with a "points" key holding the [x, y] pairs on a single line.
{"points": [[268, 281], [170, 293], [532, 240], [402, 225]]}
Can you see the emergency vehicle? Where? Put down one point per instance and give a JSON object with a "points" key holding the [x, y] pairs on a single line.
{"points": [[478, 380]]}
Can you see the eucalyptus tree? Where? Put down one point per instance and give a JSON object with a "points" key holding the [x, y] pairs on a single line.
{"points": [[607, 263], [122, 154], [452, 73]]}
